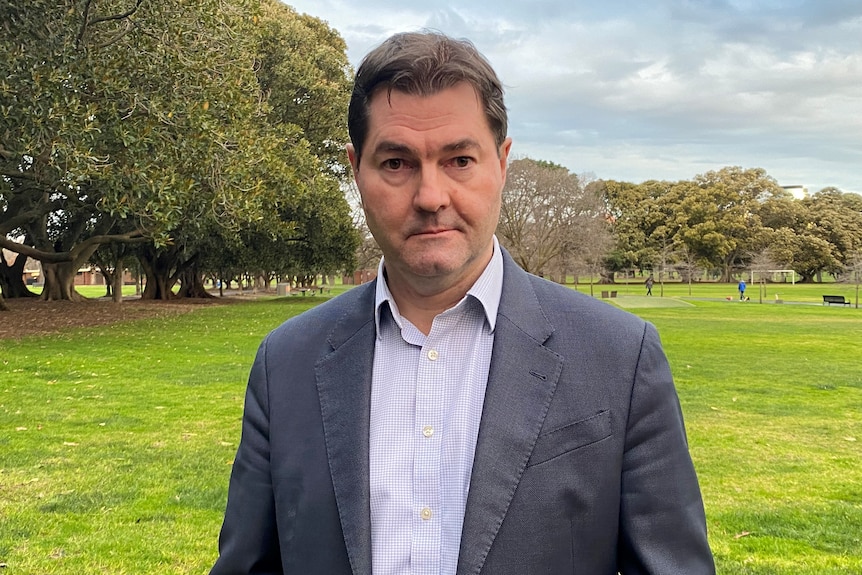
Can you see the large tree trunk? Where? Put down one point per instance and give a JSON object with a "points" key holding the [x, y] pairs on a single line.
{"points": [[116, 282], [12, 278], [60, 282], [192, 284], [157, 267], [159, 283]]}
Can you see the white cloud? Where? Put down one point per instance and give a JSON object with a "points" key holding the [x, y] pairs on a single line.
{"points": [[660, 90]]}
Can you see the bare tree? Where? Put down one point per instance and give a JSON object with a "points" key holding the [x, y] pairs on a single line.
{"points": [[687, 265], [368, 253], [762, 264], [549, 220], [853, 272]]}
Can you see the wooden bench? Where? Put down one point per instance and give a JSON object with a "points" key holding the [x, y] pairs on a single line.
{"points": [[836, 299]]}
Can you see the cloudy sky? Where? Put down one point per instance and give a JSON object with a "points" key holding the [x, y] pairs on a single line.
{"points": [[662, 89]]}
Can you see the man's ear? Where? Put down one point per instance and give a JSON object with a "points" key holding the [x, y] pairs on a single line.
{"points": [[505, 148], [353, 157]]}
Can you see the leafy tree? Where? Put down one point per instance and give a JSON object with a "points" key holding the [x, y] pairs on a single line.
{"points": [[131, 121], [721, 221], [116, 111], [304, 75], [303, 80], [835, 217], [814, 234], [631, 208]]}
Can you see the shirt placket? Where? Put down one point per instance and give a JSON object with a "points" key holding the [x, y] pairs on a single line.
{"points": [[427, 480]]}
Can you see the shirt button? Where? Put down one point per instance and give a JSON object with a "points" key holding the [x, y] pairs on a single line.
{"points": [[433, 355], [427, 431], [425, 513]]}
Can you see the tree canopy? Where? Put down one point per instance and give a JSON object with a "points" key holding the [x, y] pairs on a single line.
{"points": [[134, 120], [724, 219]]}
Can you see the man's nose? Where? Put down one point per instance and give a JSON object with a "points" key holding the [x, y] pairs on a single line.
{"points": [[433, 192]]}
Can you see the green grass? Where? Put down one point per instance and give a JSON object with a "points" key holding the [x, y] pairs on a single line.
{"points": [[773, 404], [116, 442]]}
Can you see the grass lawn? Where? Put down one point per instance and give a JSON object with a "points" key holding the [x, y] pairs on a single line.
{"points": [[116, 442]]}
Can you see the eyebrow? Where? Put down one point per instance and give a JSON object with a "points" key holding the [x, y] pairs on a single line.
{"points": [[390, 147]]}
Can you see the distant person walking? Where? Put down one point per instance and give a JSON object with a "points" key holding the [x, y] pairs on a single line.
{"points": [[741, 290], [648, 283]]}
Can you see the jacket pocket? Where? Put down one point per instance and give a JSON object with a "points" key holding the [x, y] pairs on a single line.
{"points": [[571, 437]]}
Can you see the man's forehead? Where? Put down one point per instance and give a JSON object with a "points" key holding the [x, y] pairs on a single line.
{"points": [[453, 117], [388, 92]]}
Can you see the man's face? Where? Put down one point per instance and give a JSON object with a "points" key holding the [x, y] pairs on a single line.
{"points": [[431, 178]]}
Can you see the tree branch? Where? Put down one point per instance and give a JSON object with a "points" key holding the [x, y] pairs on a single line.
{"points": [[29, 251], [136, 236], [122, 16], [17, 221], [118, 36], [86, 23], [75, 253], [85, 16], [18, 175]]}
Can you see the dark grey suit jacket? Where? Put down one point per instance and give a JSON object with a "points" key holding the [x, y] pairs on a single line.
{"points": [[581, 465]]}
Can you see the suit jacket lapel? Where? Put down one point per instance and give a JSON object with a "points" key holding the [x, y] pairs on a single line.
{"points": [[521, 382], [344, 387]]}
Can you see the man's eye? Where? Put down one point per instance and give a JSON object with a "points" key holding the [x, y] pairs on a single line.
{"points": [[393, 164], [462, 161]]}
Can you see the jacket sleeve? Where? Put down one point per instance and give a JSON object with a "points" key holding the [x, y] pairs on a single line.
{"points": [[662, 521], [248, 543]]}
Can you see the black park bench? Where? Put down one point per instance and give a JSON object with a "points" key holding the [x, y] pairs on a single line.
{"points": [[836, 299]]}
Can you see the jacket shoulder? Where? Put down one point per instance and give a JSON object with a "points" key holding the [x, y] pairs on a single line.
{"points": [[353, 307]]}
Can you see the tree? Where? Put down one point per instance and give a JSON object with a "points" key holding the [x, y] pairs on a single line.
{"points": [[547, 216], [632, 213], [305, 78], [836, 218], [814, 234], [763, 264], [116, 112], [720, 220], [132, 121], [853, 272], [302, 77], [368, 253]]}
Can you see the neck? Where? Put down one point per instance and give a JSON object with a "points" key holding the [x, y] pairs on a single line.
{"points": [[420, 307], [421, 299]]}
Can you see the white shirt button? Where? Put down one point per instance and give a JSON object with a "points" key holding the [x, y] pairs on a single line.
{"points": [[425, 513], [427, 431], [433, 355]]}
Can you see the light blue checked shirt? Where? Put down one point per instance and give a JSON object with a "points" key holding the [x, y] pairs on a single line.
{"points": [[426, 402]]}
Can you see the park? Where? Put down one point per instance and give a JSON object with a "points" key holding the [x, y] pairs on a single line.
{"points": [[169, 148], [117, 439]]}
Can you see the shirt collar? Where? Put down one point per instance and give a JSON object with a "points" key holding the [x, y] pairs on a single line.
{"points": [[487, 290]]}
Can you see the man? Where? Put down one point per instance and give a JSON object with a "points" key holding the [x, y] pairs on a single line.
{"points": [[457, 416], [741, 288]]}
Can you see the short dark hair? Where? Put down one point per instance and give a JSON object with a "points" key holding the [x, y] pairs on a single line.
{"points": [[423, 64]]}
